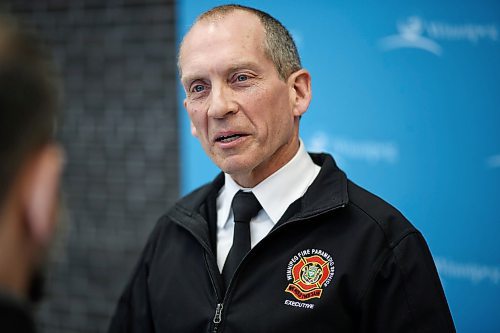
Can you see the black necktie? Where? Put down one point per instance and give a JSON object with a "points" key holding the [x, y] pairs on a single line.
{"points": [[245, 206]]}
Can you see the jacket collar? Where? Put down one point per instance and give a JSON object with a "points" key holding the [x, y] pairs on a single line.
{"points": [[299, 171], [329, 189], [327, 192]]}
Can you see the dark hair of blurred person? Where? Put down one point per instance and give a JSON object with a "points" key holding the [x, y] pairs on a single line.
{"points": [[30, 168]]}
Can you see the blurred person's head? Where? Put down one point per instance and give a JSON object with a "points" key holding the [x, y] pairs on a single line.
{"points": [[30, 160]]}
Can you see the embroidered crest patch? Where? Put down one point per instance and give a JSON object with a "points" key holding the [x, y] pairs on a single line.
{"points": [[308, 273]]}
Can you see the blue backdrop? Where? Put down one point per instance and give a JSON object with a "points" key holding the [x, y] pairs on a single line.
{"points": [[406, 97]]}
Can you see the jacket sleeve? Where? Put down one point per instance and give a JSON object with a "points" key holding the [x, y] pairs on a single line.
{"points": [[133, 311], [405, 293]]}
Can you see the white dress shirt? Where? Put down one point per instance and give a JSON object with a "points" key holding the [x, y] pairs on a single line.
{"points": [[275, 194]]}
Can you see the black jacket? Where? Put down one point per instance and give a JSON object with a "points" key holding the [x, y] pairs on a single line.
{"points": [[15, 315], [340, 260]]}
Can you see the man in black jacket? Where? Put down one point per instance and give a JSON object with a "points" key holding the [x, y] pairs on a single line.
{"points": [[30, 167], [281, 240]]}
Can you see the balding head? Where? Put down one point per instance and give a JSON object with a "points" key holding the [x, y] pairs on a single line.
{"points": [[278, 43]]}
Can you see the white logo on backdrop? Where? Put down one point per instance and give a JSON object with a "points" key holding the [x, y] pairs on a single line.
{"points": [[415, 32], [493, 161], [369, 151], [473, 272]]}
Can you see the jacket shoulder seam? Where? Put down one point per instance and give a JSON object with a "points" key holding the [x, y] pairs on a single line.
{"points": [[390, 244]]}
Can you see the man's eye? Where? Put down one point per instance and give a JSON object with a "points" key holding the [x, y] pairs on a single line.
{"points": [[198, 88], [241, 78]]}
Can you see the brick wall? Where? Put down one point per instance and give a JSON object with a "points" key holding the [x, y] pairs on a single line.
{"points": [[117, 59]]}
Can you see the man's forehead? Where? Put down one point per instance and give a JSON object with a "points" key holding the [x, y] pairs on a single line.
{"points": [[249, 23], [232, 26]]}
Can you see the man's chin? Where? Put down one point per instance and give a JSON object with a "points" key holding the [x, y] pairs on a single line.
{"points": [[234, 164]]}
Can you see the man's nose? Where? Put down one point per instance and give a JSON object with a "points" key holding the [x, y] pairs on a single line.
{"points": [[221, 102]]}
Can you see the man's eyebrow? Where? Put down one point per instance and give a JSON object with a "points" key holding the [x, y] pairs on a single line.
{"points": [[185, 79], [243, 65]]}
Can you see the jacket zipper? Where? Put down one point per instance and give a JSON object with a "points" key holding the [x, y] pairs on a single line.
{"points": [[218, 317], [218, 310]]}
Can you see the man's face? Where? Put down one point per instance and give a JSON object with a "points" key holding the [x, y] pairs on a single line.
{"points": [[240, 110]]}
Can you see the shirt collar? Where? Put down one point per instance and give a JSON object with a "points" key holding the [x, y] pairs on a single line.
{"points": [[299, 171]]}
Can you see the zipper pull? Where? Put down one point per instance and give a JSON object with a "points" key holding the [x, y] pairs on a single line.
{"points": [[217, 317], [218, 313]]}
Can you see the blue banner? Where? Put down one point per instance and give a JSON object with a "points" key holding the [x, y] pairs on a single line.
{"points": [[406, 97]]}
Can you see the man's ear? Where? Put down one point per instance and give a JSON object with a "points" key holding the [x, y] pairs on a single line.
{"points": [[41, 192], [301, 94]]}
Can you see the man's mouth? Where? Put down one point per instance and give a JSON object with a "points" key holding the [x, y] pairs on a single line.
{"points": [[228, 138]]}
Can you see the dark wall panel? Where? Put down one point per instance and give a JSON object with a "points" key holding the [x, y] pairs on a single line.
{"points": [[117, 61]]}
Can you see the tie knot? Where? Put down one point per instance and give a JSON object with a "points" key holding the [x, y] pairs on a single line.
{"points": [[245, 206]]}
